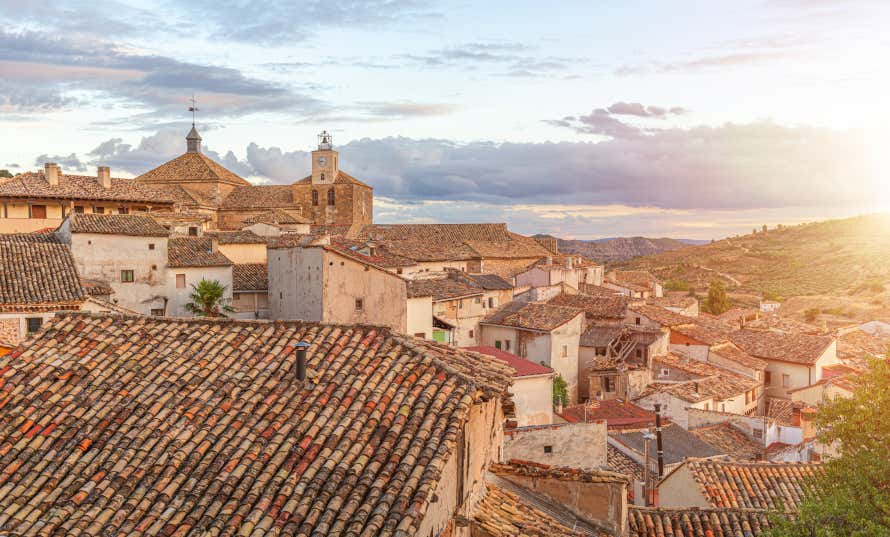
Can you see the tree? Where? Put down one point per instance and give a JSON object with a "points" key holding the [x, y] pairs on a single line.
{"points": [[853, 498], [560, 391], [764, 228], [5, 174], [208, 299], [810, 314], [717, 301]]}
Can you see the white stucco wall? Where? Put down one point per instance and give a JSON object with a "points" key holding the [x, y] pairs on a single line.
{"points": [[178, 298], [420, 316], [244, 253], [533, 398]]}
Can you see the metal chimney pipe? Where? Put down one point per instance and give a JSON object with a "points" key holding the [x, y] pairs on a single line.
{"points": [[301, 359], [660, 451]]}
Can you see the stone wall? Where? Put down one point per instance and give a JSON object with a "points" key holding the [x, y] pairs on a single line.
{"points": [[574, 445]]}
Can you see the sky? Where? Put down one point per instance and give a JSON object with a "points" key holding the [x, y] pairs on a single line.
{"points": [[585, 119]]}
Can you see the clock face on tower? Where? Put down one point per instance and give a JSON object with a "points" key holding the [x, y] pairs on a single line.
{"points": [[322, 161]]}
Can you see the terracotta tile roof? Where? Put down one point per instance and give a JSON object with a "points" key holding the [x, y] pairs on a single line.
{"points": [[673, 300], [181, 426], [194, 252], [713, 382], [96, 287], [597, 290], [342, 178], [753, 485], [450, 233], [696, 522], [660, 315], [622, 464], [595, 307], [784, 411], [236, 237], [261, 197], [79, 187], [191, 167], [795, 348], [523, 367], [679, 444], [37, 273], [730, 352], [599, 336], [532, 316], [491, 282], [250, 277], [731, 440], [855, 345], [117, 224], [514, 246], [700, 331], [737, 314], [504, 514], [560, 473], [774, 322], [361, 250], [637, 278], [443, 288], [619, 414], [277, 217]]}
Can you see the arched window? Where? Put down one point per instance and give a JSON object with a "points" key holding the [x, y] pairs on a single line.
{"points": [[315, 197], [331, 197]]}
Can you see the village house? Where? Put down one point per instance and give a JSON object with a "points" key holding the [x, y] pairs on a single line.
{"points": [[274, 222], [458, 304], [793, 360], [532, 389], [738, 485], [284, 402], [128, 252], [250, 291], [678, 445], [571, 270], [677, 302], [539, 332], [649, 316], [239, 246], [189, 261], [637, 284], [328, 197], [614, 361], [37, 278], [40, 200], [617, 413], [598, 310], [323, 280], [709, 341], [679, 383]]}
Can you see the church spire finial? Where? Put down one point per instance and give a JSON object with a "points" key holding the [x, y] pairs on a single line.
{"points": [[193, 139], [325, 141]]}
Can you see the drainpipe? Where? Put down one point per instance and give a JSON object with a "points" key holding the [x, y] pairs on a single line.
{"points": [[659, 451]]}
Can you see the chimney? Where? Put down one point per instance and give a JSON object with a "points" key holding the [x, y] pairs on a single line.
{"points": [[569, 262], [660, 451], [301, 359], [51, 172], [214, 244], [549, 259], [104, 176]]}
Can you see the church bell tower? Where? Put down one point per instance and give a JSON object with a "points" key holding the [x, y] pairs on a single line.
{"points": [[324, 161]]}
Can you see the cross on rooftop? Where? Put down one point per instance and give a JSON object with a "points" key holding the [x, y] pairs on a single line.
{"points": [[194, 109]]}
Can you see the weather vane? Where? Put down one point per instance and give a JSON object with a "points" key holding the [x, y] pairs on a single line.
{"points": [[194, 109]]}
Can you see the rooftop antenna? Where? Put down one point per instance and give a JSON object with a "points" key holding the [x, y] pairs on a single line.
{"points": [[194, 109]]}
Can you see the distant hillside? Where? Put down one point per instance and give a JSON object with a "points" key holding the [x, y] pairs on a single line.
{"points": [[620, 249], [849, 257]]}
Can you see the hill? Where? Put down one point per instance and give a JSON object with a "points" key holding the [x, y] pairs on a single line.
{"points": [[847, 258], [619, 249]]}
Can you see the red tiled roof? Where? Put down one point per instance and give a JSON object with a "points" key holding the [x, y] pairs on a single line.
{"points": [[792, 347], [532, 316], [37, 273], [729, 439], [117, 224], [595, 307], [504, 514], [181, 426], [660, 315], [80, 187], [618, 414], [191, 167], [523, 367], [696, 522], [250, 277], [194, 252]]}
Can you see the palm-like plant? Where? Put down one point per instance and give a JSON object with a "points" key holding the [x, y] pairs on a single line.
{"points": [[208, 299]]}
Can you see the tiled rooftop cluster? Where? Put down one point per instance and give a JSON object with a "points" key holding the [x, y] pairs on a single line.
{"points": [[532, 316], [504, 514], [595, 307], [710, 381], [277, 217], [731, 440], [754, 485], [788, 347], [194, 252], [250, 277], [37, 273], [235, 237], [123, 425], [80, 187], [444, 288]]}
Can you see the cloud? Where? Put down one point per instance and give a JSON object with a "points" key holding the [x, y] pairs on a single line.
{"points": [[760, 165], [514, 59], [70, 162], [406, 109], [602, 121], [637, 109], [43, 70]]}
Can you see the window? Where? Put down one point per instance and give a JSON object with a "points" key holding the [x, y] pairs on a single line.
{"points": [[315, 198], [665, 372], [157, 312], [786, 381], [398, 271], [359, 304], [507, 344], [638, 320], [497, 344], [193, 231], [151, 246], [331, 199], [460, 304], [565, 350], [78, 209], [758, 433], [638, 353], [478, 300], [722, 407], [491, 302], [180, 281], [127, 276], [33, 324], [767, 378], [600, 351], [707, 406], [123, 210], [548, 449], [609, 384], [98, 210], [471, 334], [38, 211]]}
